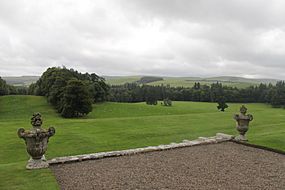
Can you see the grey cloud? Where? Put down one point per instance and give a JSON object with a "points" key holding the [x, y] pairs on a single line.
{"points": [[253, 13], [149, 37]]}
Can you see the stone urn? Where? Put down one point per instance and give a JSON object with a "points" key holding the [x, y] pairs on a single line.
{"points": [[242, 123], [36, 140]]}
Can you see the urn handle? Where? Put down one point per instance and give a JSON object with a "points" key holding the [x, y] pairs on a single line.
{"points": [[236, 116], [250, 117], [51, 131], [21, 132]]}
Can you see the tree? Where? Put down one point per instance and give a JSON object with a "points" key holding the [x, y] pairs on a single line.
{"points": [[151, 95], [55, 93], [167, 102], [278, 95], [4, 88], [222, 104], [151, 101], [217, 91], [76, 101]]}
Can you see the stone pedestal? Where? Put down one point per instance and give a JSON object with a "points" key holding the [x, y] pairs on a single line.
{"points": [[36, 164]]}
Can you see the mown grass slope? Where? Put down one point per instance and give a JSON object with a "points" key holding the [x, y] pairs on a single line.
{"points": [[116, 126]]}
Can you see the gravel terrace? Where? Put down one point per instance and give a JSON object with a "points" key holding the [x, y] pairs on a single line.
{"points": [[217, 166]]}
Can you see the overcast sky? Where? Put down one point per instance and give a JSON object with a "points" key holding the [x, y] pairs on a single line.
{"points": [[144, 37]]}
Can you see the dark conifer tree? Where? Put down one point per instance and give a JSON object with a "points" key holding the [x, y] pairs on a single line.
{"points": [[222, 105], [76, 101]]}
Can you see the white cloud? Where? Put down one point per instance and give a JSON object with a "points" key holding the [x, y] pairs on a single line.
{"points": [[149, 37]]}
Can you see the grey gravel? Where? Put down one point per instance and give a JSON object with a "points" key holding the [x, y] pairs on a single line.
{"points": [[217, 166]]}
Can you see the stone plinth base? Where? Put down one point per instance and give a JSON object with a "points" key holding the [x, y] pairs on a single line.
{"points": [[241, 138], [36, 164]]}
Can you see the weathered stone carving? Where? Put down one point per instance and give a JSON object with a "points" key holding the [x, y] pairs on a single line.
{"points": [[243, 120], [36, 140]]}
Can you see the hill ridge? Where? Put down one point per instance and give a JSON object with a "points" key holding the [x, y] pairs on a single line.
{"points": [[171, 80]]}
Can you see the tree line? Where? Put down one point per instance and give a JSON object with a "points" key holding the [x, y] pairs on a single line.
{"points": [[72, 93], [216, 92], [6, 89]]}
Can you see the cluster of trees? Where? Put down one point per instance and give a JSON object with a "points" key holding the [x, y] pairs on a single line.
{"points": [[166, 102], [6, 89], [216, 92], [70, 92], [148, 79]]}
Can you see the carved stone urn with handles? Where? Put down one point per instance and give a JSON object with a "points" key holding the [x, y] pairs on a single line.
{"points": [[242, 125], [36, 140]]}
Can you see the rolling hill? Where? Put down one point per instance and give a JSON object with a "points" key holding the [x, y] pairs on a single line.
{"points": [[21, 80], [239, 82]]}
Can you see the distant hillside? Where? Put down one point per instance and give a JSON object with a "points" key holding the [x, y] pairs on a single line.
{"points": [[118, 80], [21, 81], [241, 79], [239, 82], [149, 79]]}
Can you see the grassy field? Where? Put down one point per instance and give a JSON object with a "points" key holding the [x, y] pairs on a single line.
{"points": [[21, 81], [119, 80], [238, 82], [116, 126], [189, 82]]}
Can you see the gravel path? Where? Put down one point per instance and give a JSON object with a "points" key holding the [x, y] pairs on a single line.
{"points": [[217, 166]]}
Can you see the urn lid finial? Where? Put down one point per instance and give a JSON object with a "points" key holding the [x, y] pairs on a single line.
{"points": [[36, 120], [243, 109]]}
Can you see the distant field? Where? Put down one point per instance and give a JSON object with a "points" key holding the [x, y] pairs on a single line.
{"points": [[118, 80], [117, 126], [184, 82], [21, 81], [238, 82]]}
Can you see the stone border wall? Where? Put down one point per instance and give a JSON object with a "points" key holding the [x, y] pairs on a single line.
{"points": [[220, 137]]}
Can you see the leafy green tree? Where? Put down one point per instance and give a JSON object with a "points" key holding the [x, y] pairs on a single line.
{"points": [[217, 91], [76, 101], [151, 95], [151, 101], [55, 93], [4, 88], [278, 95], [222, 104], [167, 102], [98, 88]]}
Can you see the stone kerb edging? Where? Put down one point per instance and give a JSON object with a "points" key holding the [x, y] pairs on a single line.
{"points": [[220, 137]]}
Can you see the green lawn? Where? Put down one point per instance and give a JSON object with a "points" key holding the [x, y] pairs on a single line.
{"points": [[116, 126]]}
